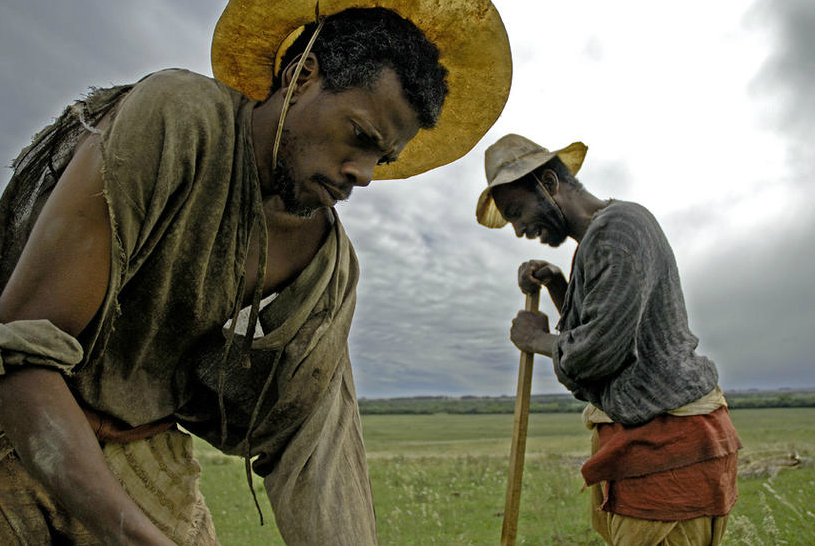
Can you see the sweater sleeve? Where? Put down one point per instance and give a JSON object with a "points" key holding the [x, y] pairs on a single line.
{"points": [[604, 342]]}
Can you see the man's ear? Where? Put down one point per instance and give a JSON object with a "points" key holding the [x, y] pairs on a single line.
{"points": [[550, 181], [309, 74]]}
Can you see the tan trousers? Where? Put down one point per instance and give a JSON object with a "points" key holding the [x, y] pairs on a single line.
{"points": [[620, 530], [159, 473]]}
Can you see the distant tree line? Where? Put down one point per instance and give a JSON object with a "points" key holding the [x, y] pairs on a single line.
{"points": [[559, 403], [787, 398]]}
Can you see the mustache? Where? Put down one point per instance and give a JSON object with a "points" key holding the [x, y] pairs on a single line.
{"points": [[343, 189]]}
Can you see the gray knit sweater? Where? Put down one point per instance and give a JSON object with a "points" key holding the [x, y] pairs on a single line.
{"points": [[624, 342]]}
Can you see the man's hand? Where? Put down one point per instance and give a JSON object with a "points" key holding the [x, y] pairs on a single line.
{"points": [[57, 446], [530, 332], [536, 273]]}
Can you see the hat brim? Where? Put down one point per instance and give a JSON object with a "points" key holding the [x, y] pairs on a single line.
{"points": [[473, 47], [486, 211]]}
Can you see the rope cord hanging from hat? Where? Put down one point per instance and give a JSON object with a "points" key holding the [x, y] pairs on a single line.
{"points": [[550, 198], [293, 84], [253, 419], [247, 454]]}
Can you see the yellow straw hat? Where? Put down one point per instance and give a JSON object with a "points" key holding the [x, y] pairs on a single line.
{"points": [[513, 157], [252, 35]]}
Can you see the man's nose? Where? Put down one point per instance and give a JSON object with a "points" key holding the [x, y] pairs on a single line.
{"points": [[358, 172]]}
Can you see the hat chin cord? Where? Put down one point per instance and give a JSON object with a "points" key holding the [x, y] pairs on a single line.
{"points": [[554, 204], [293, 84], [253, 315]]}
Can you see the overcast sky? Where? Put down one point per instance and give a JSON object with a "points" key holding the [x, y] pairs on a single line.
{"points": [[701, 111]]}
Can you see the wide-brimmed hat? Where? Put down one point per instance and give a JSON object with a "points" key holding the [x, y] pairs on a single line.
{"points": [[513, 157], [473, 46]]}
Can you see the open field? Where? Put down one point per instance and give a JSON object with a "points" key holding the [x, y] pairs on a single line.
{"points": [[561, 403], [440, 479]]}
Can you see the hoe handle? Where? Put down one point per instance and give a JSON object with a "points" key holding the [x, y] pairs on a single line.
{"points": [[518, 448]]}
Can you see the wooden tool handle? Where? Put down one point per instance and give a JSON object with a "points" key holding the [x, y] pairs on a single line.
{"points": [[512, 504]]}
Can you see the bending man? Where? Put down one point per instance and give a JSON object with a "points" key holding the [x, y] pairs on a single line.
{"points": [[139, 224], [663, 465]]}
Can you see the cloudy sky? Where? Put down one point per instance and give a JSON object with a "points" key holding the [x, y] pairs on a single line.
{"points": [[701, 111]]}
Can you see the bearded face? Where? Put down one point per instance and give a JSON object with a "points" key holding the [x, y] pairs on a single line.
{"points": [[532, 212]]}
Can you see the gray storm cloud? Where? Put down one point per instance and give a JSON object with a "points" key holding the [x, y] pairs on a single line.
{"points": [[437, 291]]}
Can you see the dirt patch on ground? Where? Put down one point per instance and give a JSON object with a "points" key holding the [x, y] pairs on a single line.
{"points": [[768, 463]]}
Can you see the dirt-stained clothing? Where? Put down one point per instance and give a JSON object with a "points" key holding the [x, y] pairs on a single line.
{"points": [[183, 193]]}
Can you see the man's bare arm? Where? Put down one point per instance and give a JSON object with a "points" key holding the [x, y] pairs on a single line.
{"points": [[62, 276]]}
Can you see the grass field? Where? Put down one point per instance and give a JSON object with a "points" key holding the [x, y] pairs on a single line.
{"points": [[440, 479]]}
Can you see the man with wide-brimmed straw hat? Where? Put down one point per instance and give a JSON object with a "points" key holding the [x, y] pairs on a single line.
{"points": [[145, 232], [663, 466]]}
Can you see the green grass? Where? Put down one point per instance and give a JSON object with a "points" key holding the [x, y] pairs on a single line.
{"points": [[460, 500], [441, 479], [454, 435]]}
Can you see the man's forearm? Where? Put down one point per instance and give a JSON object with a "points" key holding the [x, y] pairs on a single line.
{"points": [[544, 344], [54, 441], [557, 291]]}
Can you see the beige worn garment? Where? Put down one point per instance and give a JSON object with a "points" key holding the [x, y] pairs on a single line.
{"points": [[159, 473], [307, 438], [38, 342], [708, 403], [184, 198], [619, 530]]}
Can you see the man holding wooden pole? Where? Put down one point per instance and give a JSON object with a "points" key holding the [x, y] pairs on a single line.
{"points": [[149, 218], [664, 451]]}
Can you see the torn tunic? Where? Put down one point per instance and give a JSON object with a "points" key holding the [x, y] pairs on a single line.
{"points": [[183, 193]]}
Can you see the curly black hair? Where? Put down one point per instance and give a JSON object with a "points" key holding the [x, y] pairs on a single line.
{"points": [[356, 44]]}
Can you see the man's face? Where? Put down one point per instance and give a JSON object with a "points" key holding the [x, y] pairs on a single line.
{"points": [[333, 140], [530, 213]]}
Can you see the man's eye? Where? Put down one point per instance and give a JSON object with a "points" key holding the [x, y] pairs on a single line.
{"points": [[368, 142], [363, 138]]}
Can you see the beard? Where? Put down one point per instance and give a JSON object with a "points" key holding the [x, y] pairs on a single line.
{"points": [[282, 181], [283, 185], [554, 222], [556, 235]]}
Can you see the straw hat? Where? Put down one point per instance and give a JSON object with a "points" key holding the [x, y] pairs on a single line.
{"points": [[513, 157], [473, 46]]}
